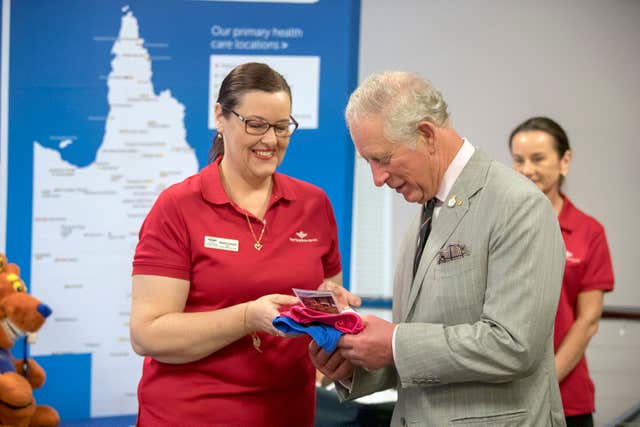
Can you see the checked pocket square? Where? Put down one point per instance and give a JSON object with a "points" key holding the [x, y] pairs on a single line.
{"points": [[452, 252]]}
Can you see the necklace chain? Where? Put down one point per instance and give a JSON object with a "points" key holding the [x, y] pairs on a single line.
{"points": [[258, 240]]}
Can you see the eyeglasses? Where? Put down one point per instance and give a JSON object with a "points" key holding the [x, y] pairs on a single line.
{"points": [[261, 127]]}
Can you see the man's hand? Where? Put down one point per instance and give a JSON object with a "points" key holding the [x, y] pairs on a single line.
{"points": [[332, 365], [371, 348], [344, 298]]}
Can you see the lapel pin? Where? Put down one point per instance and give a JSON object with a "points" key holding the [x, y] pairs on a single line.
{"points": [[459, 202], [452, 201]]}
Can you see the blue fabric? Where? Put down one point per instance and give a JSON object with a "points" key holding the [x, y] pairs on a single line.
{"points": [[325, 336], [6, 361]]}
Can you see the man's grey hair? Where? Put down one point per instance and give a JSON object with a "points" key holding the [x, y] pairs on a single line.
{"points": [[402, 100]]}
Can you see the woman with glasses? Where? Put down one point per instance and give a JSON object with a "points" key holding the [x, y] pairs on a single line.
{"points": [[540, 151], [217, 258]]}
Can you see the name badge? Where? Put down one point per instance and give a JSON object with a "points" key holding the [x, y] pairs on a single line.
{"points": [[212, 242]]}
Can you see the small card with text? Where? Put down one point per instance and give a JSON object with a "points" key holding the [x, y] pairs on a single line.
{"points": [[317, 300]]}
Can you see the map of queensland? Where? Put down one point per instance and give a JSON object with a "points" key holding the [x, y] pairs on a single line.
{"points": [[86, 219]]}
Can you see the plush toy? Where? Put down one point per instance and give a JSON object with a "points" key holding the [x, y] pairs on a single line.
{"points": [[20, 314]]}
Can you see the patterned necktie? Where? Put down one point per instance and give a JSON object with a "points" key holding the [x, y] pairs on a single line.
{"points": [[425, 229]]}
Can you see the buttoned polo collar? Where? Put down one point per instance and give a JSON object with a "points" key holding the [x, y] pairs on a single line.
{"points": [[213, 191], [566, 217]]}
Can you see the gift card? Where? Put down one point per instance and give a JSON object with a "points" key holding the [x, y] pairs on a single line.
{"points": [[317, 300]]}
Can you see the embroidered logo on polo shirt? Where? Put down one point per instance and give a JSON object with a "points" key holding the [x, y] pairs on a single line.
{"points": [[220, 243], [571, 259], [301, 237]]}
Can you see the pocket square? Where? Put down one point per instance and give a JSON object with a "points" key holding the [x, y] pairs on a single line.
{"points": [[452, 252]]}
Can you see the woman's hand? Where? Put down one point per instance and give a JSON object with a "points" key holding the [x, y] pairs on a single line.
{"points": [[260, 313], [344, 298]]}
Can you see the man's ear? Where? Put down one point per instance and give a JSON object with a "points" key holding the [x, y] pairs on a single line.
{"points": [[427, 133]]}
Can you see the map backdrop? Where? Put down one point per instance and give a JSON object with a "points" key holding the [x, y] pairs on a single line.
{"points": [[105, 104]]}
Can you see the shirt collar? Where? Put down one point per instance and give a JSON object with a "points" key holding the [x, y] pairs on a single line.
{"points": [[455, 169], [565, 218], [213, 191]]}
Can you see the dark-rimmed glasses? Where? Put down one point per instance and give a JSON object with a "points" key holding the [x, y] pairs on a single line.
{"points": [[260, 127]]}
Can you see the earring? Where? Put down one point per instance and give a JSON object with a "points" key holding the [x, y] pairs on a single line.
{"points": [[219, 136]]}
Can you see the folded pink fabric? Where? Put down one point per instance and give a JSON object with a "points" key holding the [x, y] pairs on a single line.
{"points": [[348, 322]]}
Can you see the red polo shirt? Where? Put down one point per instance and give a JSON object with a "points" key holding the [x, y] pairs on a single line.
{"points": [[588, 267], [196, 233]]}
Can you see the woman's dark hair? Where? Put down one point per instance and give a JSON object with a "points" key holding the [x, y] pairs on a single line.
{"points": [[242, 79], [545, 124]]}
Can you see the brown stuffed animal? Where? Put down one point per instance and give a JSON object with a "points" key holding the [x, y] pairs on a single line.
{"points": [[20, 314]]}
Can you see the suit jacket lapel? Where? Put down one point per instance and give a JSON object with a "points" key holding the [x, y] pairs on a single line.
{"points": [[469, 182], [404, 270]]}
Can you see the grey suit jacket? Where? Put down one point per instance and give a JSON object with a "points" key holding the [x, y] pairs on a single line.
{"points": [[474, 344]]}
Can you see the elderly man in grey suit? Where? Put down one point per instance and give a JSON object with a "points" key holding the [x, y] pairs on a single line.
{"points": [[477, 282]]}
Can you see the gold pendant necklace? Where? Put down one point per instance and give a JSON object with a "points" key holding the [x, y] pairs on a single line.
{"points": [[258, 245], [255, 339], [256, 342]]}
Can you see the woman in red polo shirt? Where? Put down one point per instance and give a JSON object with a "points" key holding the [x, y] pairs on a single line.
{"points": [[217, 257], [540, 151]]}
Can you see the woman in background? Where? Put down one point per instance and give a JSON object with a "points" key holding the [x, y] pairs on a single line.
{"points": [[540, 151], [217, 257]]}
